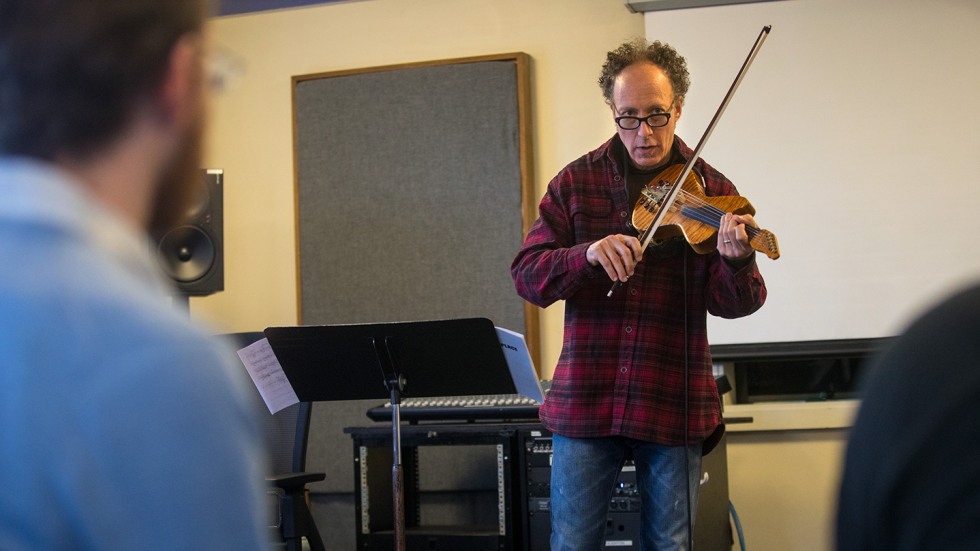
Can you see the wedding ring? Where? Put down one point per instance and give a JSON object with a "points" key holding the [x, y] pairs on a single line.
{"points": [[727, 241]]}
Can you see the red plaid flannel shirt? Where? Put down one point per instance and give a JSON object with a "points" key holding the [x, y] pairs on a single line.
{"points": [[621, 369]]}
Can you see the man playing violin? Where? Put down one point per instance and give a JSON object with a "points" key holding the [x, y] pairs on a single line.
{"points": [[619, 389]]}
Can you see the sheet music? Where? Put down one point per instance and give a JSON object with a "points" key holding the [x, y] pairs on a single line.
{"points": [[264, 369], [519, 363]]}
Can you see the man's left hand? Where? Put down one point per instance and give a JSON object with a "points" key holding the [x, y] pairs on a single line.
{"points": [[733, 241]]}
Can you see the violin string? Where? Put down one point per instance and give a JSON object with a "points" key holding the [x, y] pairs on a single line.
{"points": [[712, 214]]}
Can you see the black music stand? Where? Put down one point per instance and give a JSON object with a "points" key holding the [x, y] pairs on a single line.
{"points": [[426, 358]]}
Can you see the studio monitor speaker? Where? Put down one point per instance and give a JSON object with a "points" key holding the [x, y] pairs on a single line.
{"points": [[192, 251]]}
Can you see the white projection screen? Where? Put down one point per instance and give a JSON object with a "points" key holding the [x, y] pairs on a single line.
{"points": [[855, 134]]}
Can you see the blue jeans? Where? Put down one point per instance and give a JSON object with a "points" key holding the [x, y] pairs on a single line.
{"points": [[583, 473]]}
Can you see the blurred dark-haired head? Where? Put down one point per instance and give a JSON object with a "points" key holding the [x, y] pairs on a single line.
{"points": [[74, 72]]}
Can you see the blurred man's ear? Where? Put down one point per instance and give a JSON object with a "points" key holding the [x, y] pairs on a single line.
{"points": [[182, 87]]}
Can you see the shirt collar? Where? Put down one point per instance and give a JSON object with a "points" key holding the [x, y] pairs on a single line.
{"points": [[38, 193]]}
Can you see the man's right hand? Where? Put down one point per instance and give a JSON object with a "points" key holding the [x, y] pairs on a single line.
{"points": [[617, 254]]}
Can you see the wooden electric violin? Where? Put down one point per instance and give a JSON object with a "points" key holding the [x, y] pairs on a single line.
{"points": [[695, 216]]}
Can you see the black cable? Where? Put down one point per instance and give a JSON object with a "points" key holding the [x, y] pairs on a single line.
{"points": [[687, 422]]}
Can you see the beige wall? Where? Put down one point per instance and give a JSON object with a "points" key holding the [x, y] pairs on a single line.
{"points": [[251, 132], [783, 485]]}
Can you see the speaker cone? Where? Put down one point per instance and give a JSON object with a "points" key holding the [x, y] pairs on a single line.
{"points": [[187, 253]]}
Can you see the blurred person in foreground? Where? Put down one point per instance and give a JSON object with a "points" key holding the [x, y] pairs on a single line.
{"points": [[122, 425], [912, 469]]}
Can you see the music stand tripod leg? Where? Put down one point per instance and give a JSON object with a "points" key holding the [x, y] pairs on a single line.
{"points": [[397, 472], [395, 383]]}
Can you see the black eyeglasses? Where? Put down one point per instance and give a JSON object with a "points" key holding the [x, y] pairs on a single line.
{"points": [[655, 120]]}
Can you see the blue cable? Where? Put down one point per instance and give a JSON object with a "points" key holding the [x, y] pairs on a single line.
{"points": [[738, 526]]}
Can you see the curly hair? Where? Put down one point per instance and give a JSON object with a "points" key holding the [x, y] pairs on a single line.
{"points": [[638, 49]]}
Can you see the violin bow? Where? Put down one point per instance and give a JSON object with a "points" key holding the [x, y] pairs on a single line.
{"points": [[647, 235]]}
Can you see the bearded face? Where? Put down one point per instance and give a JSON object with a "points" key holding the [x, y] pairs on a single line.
{"points": [[180, 187]]}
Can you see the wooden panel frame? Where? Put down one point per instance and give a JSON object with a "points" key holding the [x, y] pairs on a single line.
{"points": [[525, 149]]}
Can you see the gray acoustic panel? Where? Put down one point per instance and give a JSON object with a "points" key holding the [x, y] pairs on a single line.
{"points": [[335, 518], [331, 451], [409, 194]]}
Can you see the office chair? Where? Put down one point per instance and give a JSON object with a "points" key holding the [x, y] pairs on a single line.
{"points": [[286, 434]]}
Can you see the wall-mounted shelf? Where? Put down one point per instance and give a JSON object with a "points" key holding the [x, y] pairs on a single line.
{"points": [[794, 385]]}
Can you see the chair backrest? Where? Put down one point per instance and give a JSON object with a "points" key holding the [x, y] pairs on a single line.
{"points": [[286, 435], [286, 432]]}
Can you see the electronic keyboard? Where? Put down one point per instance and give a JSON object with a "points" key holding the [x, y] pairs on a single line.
{"points": [[503, 407]]}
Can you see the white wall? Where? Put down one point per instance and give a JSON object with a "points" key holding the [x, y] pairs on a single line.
{"points": [[251, 133], [855, 135]]}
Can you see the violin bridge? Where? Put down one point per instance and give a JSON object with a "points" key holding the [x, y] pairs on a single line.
{"points": [[653, 195]]}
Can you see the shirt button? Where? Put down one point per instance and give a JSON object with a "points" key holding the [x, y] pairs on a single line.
{"points": [[623, 214], [616, 178], [633, 291], [622, 370], [629, 329]]}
